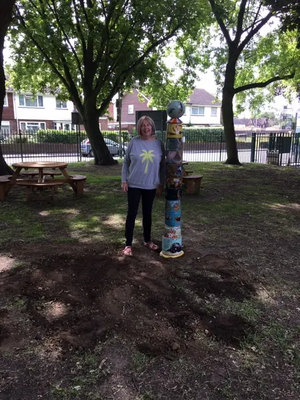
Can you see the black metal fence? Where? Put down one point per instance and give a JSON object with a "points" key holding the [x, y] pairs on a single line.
{"points": [[276, 147], [51, 145]]}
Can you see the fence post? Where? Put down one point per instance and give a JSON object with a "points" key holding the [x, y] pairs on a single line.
{"points": [[253, 141], [21, 147], [221, 142]]}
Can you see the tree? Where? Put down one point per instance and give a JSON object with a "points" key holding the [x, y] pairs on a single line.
{"points": [[89, 51], [290, 20], [244, 59], [6, 8]]}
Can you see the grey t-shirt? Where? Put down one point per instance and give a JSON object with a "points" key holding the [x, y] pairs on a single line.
{"points": [[144, 163]]}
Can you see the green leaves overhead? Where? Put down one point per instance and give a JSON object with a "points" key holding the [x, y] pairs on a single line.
{"points": [[92, 49]]}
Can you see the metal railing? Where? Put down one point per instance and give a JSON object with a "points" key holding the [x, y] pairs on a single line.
{"points": [[276, 147], [50, 145]]}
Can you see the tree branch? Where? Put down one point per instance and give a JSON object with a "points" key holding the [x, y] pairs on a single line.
{"points": [[220, 21], [60, 25], [240, 20], [68, 83], [78, 27], [253, 32], [263, 84]]}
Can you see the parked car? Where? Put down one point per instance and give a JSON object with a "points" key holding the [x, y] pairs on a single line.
{"points": [[112, 146]]}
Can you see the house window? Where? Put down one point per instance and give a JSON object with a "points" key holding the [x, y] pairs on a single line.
{"points": [[29, 101], [4, 129], [197, 110], [61, 104], [5, 103], [214, 112], [130, 109], [61, 126], [32, 127]]}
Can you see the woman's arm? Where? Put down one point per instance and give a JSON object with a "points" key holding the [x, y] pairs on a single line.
{"points": [[162, 167], [125, 168]]}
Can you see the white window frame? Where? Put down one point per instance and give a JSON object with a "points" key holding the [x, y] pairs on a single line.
{"points": [[62, 126], [33, 102], [130, 109], [198, 110], [61, 105], [5, 102], [5, 128], [214, 111], [26, 125]]}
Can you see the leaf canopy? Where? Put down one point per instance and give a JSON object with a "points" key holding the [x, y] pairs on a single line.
{"points": [[87, 51]]}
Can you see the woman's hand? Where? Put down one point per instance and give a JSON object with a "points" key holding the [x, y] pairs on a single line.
{"points": [[124, 187], [159, 189]]}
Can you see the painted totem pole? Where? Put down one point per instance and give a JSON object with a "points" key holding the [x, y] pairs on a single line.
{"points": [[172, 239]]}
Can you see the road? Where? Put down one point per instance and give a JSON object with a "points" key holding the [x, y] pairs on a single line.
{"points": [[195, 156]]}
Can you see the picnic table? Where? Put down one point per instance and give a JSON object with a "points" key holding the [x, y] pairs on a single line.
{"points": [[39, 171]]}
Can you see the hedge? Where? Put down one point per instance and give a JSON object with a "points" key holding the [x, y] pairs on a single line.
{"points": [[201, 135], [71, 137]]}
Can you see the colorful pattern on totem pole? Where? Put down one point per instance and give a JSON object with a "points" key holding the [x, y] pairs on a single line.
{"points": [[172, 239]]}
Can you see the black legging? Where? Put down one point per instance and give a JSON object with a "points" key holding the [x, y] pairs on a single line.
{"points": [[133, 197]]}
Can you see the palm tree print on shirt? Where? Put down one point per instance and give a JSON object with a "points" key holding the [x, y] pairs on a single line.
{"points": [[147, 156]]}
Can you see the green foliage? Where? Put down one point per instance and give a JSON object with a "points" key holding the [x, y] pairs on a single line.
{"points": [[17, 139], [203, 135], [249, 44], [71, 137], [198, 135], [94, 48], [289, 15], [58, 136], [89, 51]]}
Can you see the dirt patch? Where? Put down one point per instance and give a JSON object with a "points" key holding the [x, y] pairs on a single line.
{"points": [[81, 321], [70, 303], [84, 297]]}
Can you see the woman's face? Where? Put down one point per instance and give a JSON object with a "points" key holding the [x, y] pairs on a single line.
{"points": [[146, 129]]}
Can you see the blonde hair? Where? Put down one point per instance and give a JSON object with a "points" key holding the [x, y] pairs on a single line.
{"points": [[149, 120]]}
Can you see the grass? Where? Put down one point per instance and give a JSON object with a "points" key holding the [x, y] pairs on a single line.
{"points": [[168, 328]]}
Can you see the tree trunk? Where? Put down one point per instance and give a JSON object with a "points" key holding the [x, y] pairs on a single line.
{"points": [[91, 123], [227, 111], [6, 7]]}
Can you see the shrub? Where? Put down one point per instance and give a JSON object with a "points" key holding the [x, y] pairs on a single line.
{"points": [[57, 136], [71, 137], [16, 139], [198, 135]]}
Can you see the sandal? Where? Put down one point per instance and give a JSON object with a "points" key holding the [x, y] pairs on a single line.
{"points": [[151, 246], [127, 251]]}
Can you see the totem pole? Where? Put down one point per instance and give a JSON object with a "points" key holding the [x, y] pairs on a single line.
{"points": [[172, 239]]}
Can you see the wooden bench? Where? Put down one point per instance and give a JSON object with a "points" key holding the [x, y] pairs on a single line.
{"points": [[78, 182], [192, 183], [33, 174], [32, 184], [4, 181]]}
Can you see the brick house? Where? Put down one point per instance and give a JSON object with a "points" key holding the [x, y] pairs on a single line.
{"points": [[130, 104], [201, 109], [8, 122]]}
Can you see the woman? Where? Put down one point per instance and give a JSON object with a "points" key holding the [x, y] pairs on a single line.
{"points": [[143, 175]]}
